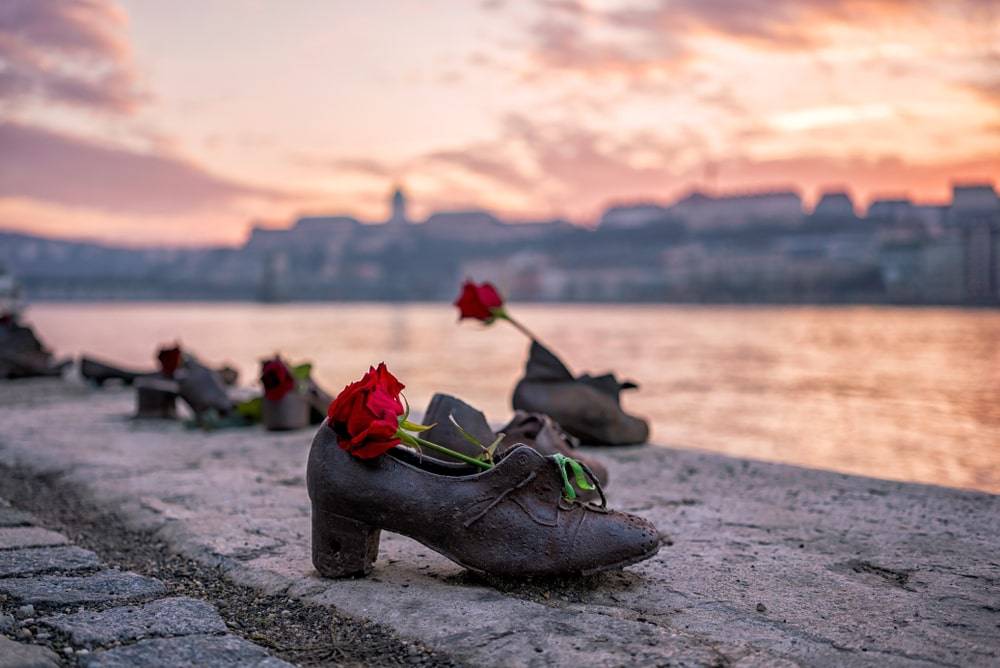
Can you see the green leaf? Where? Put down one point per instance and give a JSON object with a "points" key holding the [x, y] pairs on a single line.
{"points": [[413, 426], [251, 409], [302, 371], [492, 447], [406, 413], [466, 435]]}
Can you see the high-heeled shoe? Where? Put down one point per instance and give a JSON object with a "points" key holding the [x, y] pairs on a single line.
{"points": [[512, 520]]}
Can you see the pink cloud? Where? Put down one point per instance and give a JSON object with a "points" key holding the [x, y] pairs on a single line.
{"points": [[478, 160], [73, 53], [48, 166]]}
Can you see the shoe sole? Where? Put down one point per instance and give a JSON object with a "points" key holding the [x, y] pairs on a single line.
{"points": [[617, 566]]}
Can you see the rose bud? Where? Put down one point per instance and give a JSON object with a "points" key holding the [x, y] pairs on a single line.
{"points": [[169, 360], [277, 379], [481, 302]]}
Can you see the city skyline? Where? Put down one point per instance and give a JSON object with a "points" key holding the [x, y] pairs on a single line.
{"points": [[151, 124]]}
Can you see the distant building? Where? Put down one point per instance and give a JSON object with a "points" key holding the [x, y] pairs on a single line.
{"points": [[834, 205], [273, 286], [631, 216], [307, 232], [974, 200], [932, 216], [924, 270], [890, 210], [975, 214], [705, 212], [901, 213], [471, 225], [479, 226], [398, 203], [736, 248]]}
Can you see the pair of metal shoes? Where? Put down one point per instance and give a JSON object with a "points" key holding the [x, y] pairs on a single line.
{"points": [[534, 429], [203, 389], [530, 515], [588, 407], [97, 372]]}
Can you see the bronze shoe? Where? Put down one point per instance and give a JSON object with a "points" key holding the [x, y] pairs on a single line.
{"points": [[285, 414], [546, 435], [98, 372], [512, 520], [289, 402], [202, 389], [22, 354], [533, 429], [588, 407]]}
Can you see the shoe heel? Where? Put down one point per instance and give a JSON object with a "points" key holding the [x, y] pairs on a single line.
{"points": [[342, 547]]}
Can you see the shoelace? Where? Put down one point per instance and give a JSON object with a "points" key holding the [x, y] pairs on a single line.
{"points": [[580, 472]]}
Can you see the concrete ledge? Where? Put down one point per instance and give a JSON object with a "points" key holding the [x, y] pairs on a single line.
{"points": [[767, 564]]}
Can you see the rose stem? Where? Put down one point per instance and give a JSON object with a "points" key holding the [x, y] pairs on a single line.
{"points": [[440, 448], [524, 330]]}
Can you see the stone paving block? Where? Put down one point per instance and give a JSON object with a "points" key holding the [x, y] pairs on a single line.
{"points": [[167, 617], [23, 655], [52, 590], [215, 651], [38, 560], [17, 537], [11, 517]]}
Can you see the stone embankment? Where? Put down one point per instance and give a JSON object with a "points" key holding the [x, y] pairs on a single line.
{"points": [[762, 564]]}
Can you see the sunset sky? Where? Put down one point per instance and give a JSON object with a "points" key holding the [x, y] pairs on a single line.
{"points": [[146, 122]]}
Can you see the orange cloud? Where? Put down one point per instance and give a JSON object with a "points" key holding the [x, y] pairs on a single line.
{"points": [[561, 168], [642, 40]]}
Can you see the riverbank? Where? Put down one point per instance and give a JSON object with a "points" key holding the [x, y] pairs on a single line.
{"points": [[763, 564]]}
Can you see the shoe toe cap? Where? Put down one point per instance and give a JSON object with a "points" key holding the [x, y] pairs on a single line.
{"points": [[618, 540], [644, 537]]}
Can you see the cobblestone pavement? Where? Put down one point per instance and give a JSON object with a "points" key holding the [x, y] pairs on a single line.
{"points": [[765, 565], [61, 605]]}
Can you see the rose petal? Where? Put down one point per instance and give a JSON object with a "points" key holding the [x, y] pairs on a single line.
{"points": [[478, 301]]}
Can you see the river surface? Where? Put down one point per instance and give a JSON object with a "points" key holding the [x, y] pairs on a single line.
{"points": [[906, 394]]}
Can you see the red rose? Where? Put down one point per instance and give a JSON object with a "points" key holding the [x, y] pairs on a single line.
{"points": [[479, 301], [170, 360], [277, 379], [365, 415]]}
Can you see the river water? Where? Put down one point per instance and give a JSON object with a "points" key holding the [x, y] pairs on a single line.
{"points": [[906, 394]]}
